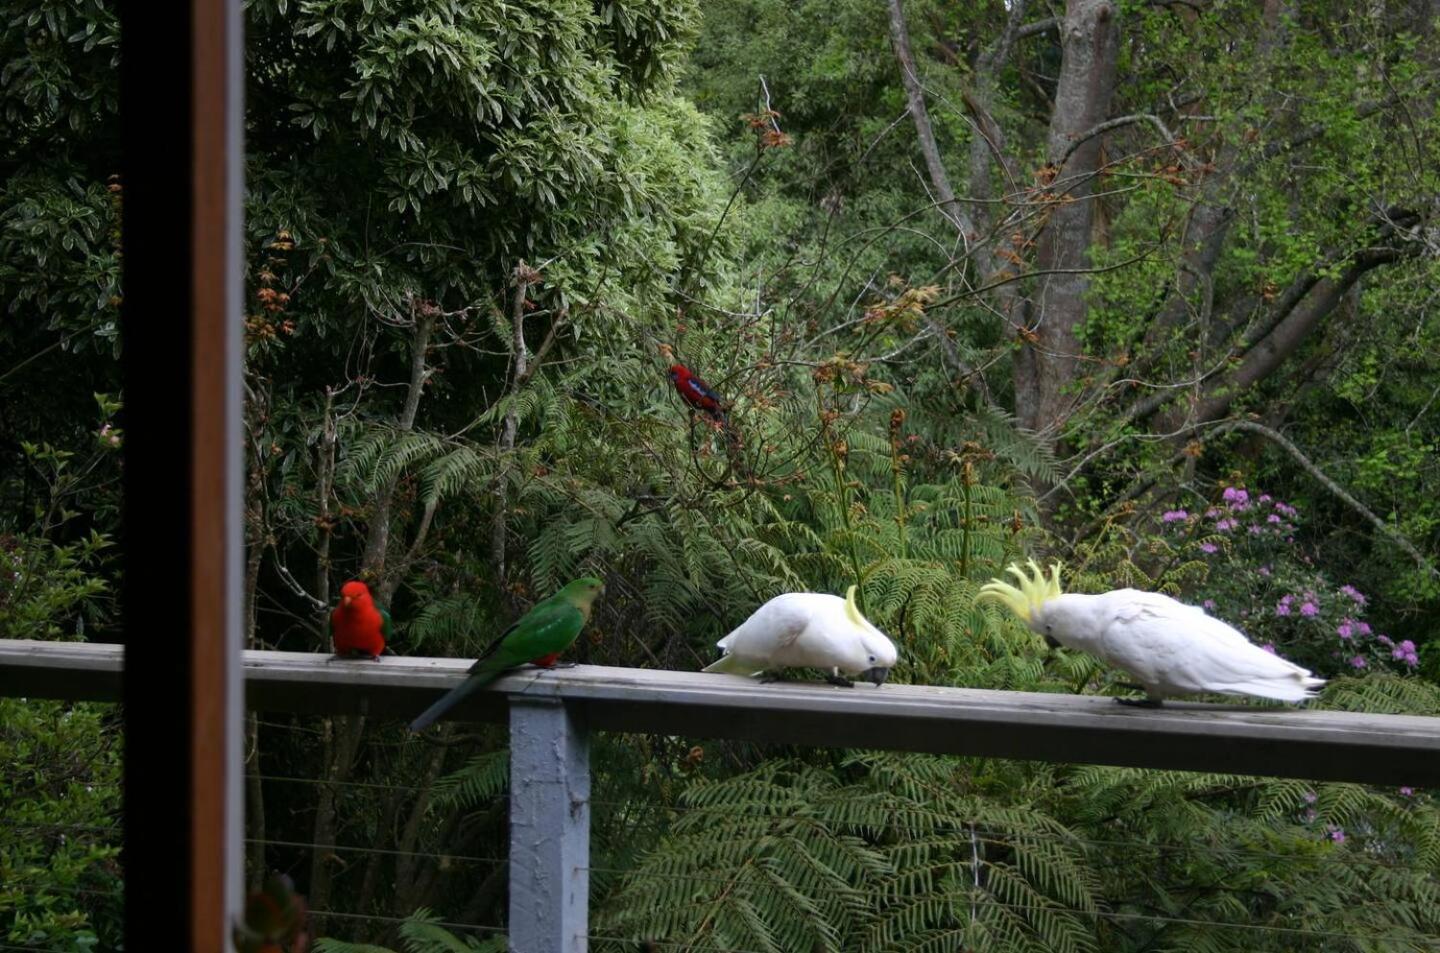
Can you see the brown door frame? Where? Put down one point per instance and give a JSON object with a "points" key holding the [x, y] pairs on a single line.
{"points": [[181, 112]]}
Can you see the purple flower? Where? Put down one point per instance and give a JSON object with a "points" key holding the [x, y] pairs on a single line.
{"points": [[1310, 816], [1383, 640], [1337, 835], [1345, 630], [1309, 609], [1209, 604], [1173, 516], [1358, 662], [1353, 594], [1226, 525], [1407, 792], [1272, 518], [1264, 497], [1309, 797], [1282, 608], [1268, 647], [1255, 529], [1212, 512], [1235, 495], [1264, 570], [1209, 548], [1405, 652], [1364, 628]]}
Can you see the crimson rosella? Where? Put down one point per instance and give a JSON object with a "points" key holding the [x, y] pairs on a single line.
{"points": [[697, 393]]}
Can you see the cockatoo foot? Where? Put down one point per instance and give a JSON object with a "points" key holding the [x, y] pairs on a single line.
{"points": [[839, 680], [1139, 702]]}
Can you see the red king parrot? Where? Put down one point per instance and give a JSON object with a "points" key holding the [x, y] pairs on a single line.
{"points": [[538, 637], [697, 393], [359, 625]]}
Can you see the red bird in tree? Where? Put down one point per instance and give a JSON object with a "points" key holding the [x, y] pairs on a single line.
{"points": [[359, 625], [697, 393]]}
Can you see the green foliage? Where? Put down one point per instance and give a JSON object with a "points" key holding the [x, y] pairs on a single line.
{"points": [[50, 591], [627, 183], [421, 932], [909, 852], [60, 882]]}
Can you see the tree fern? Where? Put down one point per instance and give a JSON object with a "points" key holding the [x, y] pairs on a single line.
{"points": [[483, 779], [421, 932]]}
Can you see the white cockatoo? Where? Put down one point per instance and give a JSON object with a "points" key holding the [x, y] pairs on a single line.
{"points": [[1170, 648], [808, 630]]}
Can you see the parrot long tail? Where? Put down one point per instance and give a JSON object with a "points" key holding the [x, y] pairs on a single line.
{"points": [[732, 665], [452, 698]]}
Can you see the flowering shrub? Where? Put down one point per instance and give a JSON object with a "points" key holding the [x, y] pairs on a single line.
{"points": [[1260, 583]]}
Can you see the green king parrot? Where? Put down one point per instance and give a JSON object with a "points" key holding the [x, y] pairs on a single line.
{"points": [[538, 637]]}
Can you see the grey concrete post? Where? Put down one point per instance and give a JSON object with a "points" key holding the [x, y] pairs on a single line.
{"points": [[549, 828]]}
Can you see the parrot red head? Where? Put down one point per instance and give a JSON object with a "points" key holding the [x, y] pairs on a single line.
{"points": [[678, 371], [354, 591]]}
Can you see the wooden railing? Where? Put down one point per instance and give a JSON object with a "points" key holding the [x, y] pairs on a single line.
{"points": [[551, 712]]}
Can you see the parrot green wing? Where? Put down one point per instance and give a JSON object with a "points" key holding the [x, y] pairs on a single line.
{"points": [[551, 626], [384, 620]]}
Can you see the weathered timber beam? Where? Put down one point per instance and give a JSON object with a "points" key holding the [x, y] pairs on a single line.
{"points": [[1239, 738]]}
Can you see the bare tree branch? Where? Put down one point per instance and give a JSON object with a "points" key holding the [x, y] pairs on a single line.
{"points": [[900, 37], [1038, 27], [1274, 348], [1120, 122]]}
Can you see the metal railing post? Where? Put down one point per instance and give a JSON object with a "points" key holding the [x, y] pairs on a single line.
{"points": [[549, 827]]}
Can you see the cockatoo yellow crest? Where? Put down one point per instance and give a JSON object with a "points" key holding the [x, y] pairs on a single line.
{"points": [[852, 611], [1033, 592]]}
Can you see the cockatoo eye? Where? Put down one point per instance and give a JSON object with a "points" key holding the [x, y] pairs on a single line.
{"points": [[872, 658], [1049, 628]]}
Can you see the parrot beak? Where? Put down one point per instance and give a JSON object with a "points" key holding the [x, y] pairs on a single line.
{"points": [[346, 600], [876, 675]]}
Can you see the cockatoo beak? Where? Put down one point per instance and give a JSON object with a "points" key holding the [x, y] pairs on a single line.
{"points": [[1050, 641], [876, 675]]}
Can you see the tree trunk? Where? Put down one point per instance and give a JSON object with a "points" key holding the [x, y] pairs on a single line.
{"points": [[342, 742], [524, 276], [256, 408], [1046, 369], [343, 736], [377, 542]]}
